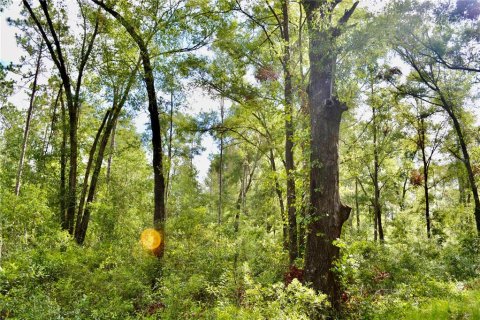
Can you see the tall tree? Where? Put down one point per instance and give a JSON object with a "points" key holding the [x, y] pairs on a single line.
{"points": [[50, 34], [281, 21], [426, 74], [157, 163], [428, 138], [28, 120], [327, 214]]}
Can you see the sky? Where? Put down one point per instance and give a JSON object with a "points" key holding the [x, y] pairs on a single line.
{"points": [[197, 101]]}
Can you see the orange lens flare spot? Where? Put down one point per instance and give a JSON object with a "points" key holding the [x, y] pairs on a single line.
{"points": [[150, 239]]}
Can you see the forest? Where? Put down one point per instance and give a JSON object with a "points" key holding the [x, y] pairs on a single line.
{"points": [[240, 159]]}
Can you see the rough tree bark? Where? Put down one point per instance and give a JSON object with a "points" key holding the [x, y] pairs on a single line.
{"points": [[327, 214]]}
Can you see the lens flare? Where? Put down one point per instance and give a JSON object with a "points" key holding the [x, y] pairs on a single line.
{"points": [[150, 239]]}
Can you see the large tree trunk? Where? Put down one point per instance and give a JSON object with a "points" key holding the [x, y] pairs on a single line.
{"points": [[72, 175], [327, 214], [289, 132], [28, 120]]}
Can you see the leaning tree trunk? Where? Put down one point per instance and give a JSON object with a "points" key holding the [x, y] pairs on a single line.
{"points": [[102, 138], [468, 166], [52, 40], [327, 214], [157, 163]]}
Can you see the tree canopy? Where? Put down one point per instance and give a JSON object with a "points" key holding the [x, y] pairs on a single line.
{"points": [[233, 159]]}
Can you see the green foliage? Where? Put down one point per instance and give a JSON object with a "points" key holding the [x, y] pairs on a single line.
{"points": [[403, 72], [395, 280]]}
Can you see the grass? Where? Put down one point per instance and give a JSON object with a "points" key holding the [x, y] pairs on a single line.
{"points": [[463, 306]]}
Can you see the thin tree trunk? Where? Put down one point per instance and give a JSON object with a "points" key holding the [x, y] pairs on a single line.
{"points": [[52, 124], [84, 218], [112, 150], [357, 206], [377, 210], [278, 191], [28, 120], [220, 169], [461, 186], [427, 203], [52, 41], [246, 182], [169, 149], [111, 118], [422, 142], [241, 196], [289, 132], [63, 166], [302, 226], [90, 161]]}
